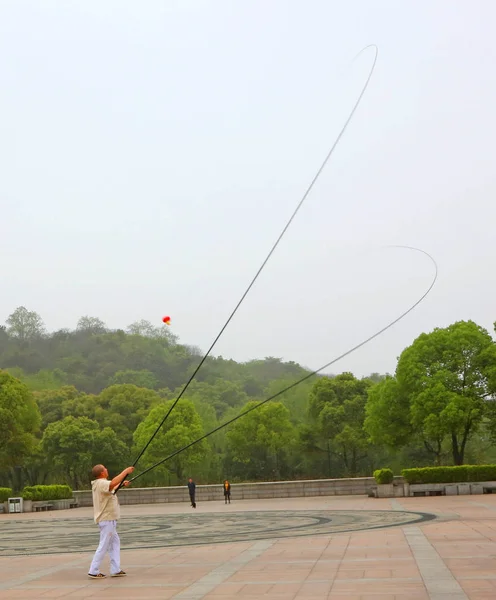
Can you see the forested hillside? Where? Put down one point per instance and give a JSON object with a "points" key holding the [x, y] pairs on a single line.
{"points": [[69, 399]]}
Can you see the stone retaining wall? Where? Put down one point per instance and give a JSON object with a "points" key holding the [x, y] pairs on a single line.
{"points": [[450, 489], [361, 486], [401, 488], [30, 505]]}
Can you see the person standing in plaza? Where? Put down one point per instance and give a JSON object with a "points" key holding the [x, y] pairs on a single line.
{"points": [[227, 491], [192, 492], [106, 512]]}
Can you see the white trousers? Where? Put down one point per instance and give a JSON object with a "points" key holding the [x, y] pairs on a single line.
{"points": [[109, 542]]}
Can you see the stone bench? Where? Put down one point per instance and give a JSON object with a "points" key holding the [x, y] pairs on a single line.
{"points": [[399, 489], [452, 489], [40, 507], [488, 488]]}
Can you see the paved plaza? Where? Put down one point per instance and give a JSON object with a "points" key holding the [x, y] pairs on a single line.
{"points": [[327, 547]]}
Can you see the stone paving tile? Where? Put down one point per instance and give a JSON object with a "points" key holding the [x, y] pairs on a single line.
{"points": [[272, 576], [254, 589], [375, 597], [377, 564], [310, 588], [227, 590], [420, 595], [297, 565], [284, 589], [218, 597], [321, 577], [339, 597], [363, 587], [143, 593], [255, 597], [11, 594], [348, 574], [378, 574], [479, 585]]}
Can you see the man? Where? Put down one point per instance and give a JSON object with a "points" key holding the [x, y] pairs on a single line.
{"points": [[227, 491], [106, 512], [192, 491]]}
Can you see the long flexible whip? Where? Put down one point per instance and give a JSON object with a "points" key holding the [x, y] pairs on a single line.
{"points": [[305, 195], [293, 385]]}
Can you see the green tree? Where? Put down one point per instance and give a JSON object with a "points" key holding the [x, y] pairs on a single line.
{"points": [[183, 426], [210, 466], [444, 381], [337, 409], [260, 444], [123, 407], [387, 419], [19, 421], [4, 339], [110, 450], [142, 327], [91, 357], [25, 325], [73, 445], [296, 400], [50, 403], [91, 325], [78, 404], [376, 377], [45, 379], [220, 394], [142, 379], [36, 470], [146, 329], [274, 368]]}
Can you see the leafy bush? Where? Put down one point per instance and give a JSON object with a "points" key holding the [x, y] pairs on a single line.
{"points": [[47, 492], [5, 494], [458, 474], [384, 476]]}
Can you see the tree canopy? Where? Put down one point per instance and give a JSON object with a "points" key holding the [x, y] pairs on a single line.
{"points": [[262, 441], [70, 398], [441, 393], [19, 421], [183, 426]]}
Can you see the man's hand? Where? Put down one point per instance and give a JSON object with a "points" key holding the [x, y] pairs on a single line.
{"points": [[126, 483], [116, 481]]}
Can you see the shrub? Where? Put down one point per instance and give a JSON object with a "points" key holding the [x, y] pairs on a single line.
{"points": [[47, 492], [5, 494], [458, 474], [384, 476]]}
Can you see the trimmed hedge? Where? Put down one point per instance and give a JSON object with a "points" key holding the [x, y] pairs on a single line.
{"points": [[459, 474], [46, 492], [383, 476], [5, 494]]}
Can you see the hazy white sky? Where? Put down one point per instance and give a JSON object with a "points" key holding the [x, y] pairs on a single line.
{"points": [[152, 151]]}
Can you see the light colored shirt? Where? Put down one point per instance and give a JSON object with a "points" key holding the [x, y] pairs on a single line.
{"points": [[105, 503]]}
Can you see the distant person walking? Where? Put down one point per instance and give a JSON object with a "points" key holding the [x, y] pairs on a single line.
{"points": [[227, 492], [192, 492]]}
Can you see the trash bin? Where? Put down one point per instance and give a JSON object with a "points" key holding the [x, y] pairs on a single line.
{"points": [[15, 505]]}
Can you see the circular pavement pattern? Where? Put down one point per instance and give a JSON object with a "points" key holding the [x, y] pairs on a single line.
{"points": [[54, 536]]}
